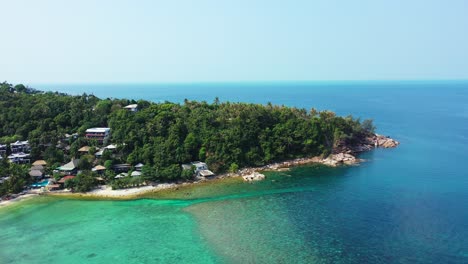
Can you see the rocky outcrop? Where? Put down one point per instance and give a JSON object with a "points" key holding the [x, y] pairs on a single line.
{"points": [[367, 144], [340, 159], [255, 176], [384, 142]]}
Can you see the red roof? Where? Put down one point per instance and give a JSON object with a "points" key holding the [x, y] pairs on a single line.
{"points": [[66, 178]]}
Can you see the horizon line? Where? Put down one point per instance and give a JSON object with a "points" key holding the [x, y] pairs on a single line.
{"points": [[248, 82]]}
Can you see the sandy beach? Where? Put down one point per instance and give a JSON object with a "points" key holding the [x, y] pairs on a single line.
{"points": [[17, 199]]}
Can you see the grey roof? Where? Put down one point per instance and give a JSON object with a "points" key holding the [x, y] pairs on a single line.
{"points": [[35, 173], [206, 173], [136, 173], [37, 167], [70, 165]]}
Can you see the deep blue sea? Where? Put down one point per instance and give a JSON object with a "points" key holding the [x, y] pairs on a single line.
{"points": [[404, 205]]}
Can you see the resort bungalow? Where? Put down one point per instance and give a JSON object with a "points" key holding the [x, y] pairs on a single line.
{"points": [[139, 166], [64, 179], [19, 158], [40, 163], [70, 167], [84, 150], [3, 150], [111, 147], [37, 167], [121, 175], [132, 108], [99, 153], [200, 169], [135, 174], [101, 134], [36, 174], [99, 169], [20, 146], [121, 168]]}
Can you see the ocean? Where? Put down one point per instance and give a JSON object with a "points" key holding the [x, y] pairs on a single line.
{"points": [[403, 205]]}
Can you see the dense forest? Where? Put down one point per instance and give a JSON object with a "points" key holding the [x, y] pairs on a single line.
{"points": [[164, 135]]}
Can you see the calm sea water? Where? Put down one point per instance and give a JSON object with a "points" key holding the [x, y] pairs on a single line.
{"points": [[405, 205]]}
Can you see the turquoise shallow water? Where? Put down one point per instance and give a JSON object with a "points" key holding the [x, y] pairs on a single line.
{"points": [[405, 205]]}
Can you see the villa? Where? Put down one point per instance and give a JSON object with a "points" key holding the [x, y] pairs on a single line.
{"points": [[19, 158], [132, 108], [64, 179], [101, 134], [84, 150], [70, 167], [201, 169], [139, 166], [121, 167], [40, 163], [20, 146]]}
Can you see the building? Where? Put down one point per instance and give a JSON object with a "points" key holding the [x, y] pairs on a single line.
{"points": [[139, 166], [121, 167], [99, 169], [70, 168], [36, 174], [3, 150], [200, 168], [19, 158], [84, 150], [101, 134], [20, 146], [62, 181], [132, 108], [40, 162]]}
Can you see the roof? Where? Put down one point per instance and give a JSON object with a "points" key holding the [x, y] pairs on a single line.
{"points": [[99, 153], [121, 166], [132, 106], [66, 178], [84, 149], [35, 173], [20, 143], [121, 175], [98, 130], [139, 165], [70, 165], [206, 173], [18, 155], [111, 147], [40, 162], [37, 167], [99, 168], [136, 173]]}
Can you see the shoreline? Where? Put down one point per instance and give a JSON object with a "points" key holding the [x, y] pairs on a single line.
{"points": [[104, 192]]}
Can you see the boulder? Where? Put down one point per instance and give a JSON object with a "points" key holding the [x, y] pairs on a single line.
{"points": [[339, 159], [255, 176], [385, 142]]}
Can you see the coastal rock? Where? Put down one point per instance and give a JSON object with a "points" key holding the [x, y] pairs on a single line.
{"points": [[339, 159], [385, 142], [256, 176]]}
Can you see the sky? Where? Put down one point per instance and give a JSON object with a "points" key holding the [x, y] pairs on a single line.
{"points": [[125, 41]]}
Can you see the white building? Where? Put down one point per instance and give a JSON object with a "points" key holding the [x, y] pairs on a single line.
{"points": [[20, 146], [101, 134], [19, 158], [132, 108], [201, 169]]}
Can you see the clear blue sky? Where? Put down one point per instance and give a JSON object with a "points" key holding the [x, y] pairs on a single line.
{"points": [[49, 41]]}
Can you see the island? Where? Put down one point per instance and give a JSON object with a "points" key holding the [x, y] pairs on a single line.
{"points": [[53, 142]]}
